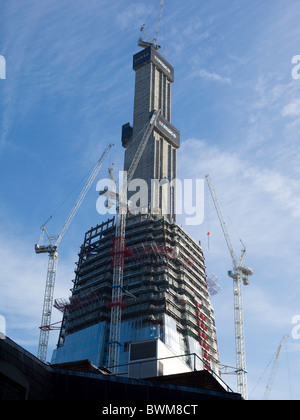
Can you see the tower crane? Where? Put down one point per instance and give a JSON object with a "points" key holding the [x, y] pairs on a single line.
{"points": [[51, 249], [119, 251], [239, 273], [152, 42], [274, 369]]}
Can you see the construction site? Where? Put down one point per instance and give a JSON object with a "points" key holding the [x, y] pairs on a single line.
{"points": [[140, 312], [140, 304]]}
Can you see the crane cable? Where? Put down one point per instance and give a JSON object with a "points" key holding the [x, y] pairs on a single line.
{"points": [[68, 196], [273, 357]]}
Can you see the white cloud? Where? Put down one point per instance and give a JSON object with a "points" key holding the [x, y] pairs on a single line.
{"points": [[292, 109], [134, 15], [205, 74], [60, 63], [236, 172], [263, 308], [22, 286], [262, 205], [284, 190]]}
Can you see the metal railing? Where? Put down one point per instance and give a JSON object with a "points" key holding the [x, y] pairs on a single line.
{"points": [[192, 365]]}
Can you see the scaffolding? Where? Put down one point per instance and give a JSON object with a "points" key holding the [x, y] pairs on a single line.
{"points": [[202, 334], [158, 280]]}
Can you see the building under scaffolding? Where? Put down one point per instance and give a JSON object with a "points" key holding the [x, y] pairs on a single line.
{"points": [[166, 309]]}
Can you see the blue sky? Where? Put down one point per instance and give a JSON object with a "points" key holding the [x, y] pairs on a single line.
{"points": [[69, 88]]}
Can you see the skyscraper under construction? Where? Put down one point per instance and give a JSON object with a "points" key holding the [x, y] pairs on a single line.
{"points": [[167, 322]]}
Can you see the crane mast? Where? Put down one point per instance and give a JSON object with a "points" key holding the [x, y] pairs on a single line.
{"points": [[119, 252], [239, 273], [51, 249], [47, 306]]}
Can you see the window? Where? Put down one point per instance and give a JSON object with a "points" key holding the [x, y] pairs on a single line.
{"points": [[126, 346]]}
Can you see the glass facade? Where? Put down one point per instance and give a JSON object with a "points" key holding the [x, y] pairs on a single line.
{"points": [[89, 343], [84, 344]]}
